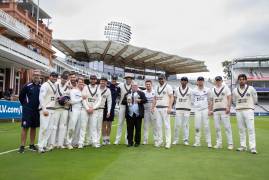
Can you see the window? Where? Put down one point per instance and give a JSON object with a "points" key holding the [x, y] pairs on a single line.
{"points": [[2, 81], [17, 83]]}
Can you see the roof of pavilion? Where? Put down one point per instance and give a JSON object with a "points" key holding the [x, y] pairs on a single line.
{"points": [[126, 55]]}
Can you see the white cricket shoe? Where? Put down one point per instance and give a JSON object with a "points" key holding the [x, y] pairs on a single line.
{"points": [[80, 146], [253, 151], [186, 142], [230, 147], [218, 146], [241, 149], [167, 146], [196, 145], [69, 147], [96, 145], [175, 143], [145, 142], [50, 148], [41, 150]]}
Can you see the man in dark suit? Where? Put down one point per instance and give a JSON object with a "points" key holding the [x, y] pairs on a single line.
{"points": [[134, 101]]}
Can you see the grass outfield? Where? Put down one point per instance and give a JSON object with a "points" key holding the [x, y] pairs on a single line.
{"points": [[146, 162]]}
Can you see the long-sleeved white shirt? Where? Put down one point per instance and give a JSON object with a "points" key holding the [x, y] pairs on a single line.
{"points": [[162, 94], [220, 97], [76, 98], [200, 98], [150, 97], [245, 98], [47, 95], [93, 98], [183, 98], [106, 96]]}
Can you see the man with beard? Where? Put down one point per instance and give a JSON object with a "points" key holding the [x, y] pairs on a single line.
{"points": [[245, 98], [183, 109], [61, 113], [47, 98], [163, 105], [91, 101], [78, 116]]}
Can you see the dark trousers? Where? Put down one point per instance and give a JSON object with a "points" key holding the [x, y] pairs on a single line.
{"points": [[133, 122]]}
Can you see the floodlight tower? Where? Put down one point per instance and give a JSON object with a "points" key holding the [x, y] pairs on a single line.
{"points": [[118, 31]]}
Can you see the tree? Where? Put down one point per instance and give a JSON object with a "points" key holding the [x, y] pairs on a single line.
{"points": [[227, 69]]}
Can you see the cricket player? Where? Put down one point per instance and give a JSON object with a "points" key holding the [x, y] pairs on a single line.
{"points": [[220, 107], [105, 94], [47, 99], [245, 98], [72, 82], [78, 116], [149, 116], [183, 108], [201, 102], [162, 104], [91, 101], [61, 113], [124, 89]]}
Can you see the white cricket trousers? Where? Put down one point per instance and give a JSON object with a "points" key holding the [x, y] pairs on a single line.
{"points": [[182, 122], [46, 126], [245, 120], [220, 117], [201, 117], [92, 120], [150, 120], [121, 121], [163, 118], [59, 127], [96, 127], [77, 126]]}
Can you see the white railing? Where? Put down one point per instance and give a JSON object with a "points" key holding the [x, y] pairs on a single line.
{"points": [[23, 50], [14, 25]]}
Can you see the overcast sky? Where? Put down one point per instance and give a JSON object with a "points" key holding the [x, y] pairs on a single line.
{"points": [[208, 30]]}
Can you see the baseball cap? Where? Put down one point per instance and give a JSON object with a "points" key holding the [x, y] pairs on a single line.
{"points": [[54, 74], [184, 78], [161, 76], [103, 78], [218, 78], [200, 78], [93, 76]]}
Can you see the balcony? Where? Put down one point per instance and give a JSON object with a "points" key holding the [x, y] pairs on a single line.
{"points": [[261, 64], [28, 57], [13, 25]]}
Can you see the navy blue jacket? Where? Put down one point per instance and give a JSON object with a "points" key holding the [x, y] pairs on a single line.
{"points": [[29, 96], [115, 91]]}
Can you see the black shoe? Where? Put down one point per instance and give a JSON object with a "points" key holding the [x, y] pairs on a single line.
{"points": [[32, 147], [136, 145], [129, 145], [21, 149]]}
